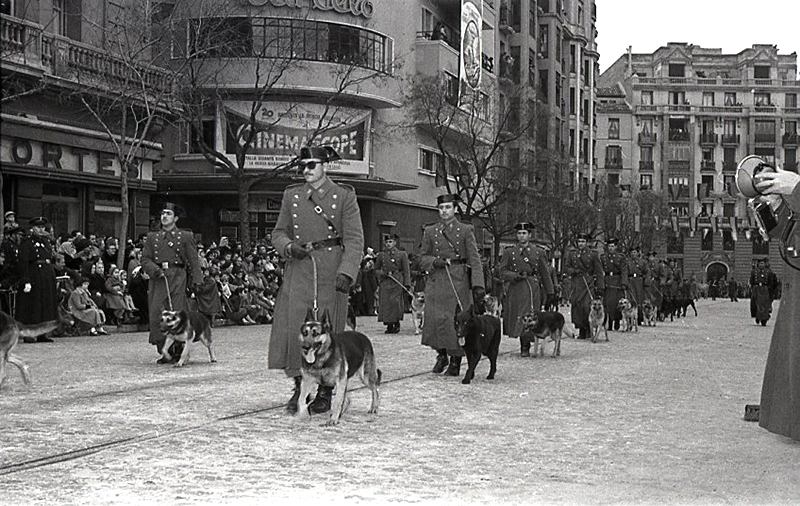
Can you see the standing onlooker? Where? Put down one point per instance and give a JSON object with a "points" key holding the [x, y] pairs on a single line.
{"points": [[319, 232], [780, 393], [587, 283], [10, 221], [760, 300], [394, 275], [733, 289], [450, 255], [37, 300], [166, 257]]}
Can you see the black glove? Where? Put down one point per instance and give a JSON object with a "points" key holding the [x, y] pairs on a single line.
{"points": [[159, 274], [342, 283], [518, 277], [296, 251], [439, 263], [552, 299]]}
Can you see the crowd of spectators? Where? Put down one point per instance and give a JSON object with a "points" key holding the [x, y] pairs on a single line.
{"points": [[239, 284]]}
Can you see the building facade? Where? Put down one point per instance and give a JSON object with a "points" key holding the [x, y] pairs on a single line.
{"points": [[677, 121]]}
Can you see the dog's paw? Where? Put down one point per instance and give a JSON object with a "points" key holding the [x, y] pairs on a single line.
{"points": [[178, 364], [490, 377], [331, 423], [465, 381], [213, 360]]}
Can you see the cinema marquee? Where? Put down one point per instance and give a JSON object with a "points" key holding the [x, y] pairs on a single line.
{"points": [[362, 8]]}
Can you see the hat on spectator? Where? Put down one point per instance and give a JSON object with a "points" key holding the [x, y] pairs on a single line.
{"points": [[449, 197], [10, 213], [175, 208], [585, 237], [524, 225], [317, 154], [38, 221]]}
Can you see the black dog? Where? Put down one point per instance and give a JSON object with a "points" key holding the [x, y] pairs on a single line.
{"points": [[478, 334], [684, 304]]}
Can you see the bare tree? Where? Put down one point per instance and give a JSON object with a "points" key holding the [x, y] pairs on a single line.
{"points": [[219, 43]]}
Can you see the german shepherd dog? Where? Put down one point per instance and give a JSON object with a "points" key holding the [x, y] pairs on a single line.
{"points": [[418, 311], [597, 318], [331, 360], [648, 313], [630, 315], [478, 334], [10, 332], [493, 306], [543, 324], [185, 327]]}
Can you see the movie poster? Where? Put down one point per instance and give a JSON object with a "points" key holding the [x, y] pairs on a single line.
{"points": [[471, 47], [285, 127]]}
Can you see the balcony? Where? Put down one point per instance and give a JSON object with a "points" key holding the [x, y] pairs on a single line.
{"points": [[708, 139], [709, 165], [646, 165], [790, 139], [613, 163], [730, 139], [678, 165], [765, 109], [647, 137], [679, 135], [765, 138]]}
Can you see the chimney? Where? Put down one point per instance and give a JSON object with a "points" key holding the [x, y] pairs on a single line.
{"points": [[630, 60]]}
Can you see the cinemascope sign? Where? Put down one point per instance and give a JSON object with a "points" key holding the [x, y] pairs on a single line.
{"points": [[285, 127], [362, 8]]}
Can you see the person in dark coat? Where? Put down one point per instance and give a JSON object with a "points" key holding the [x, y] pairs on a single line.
{"points": [[615, 268], [37, 299], [733, 289], [449, 254], [638, 272], [780, 391], [166, 257], [655, 273], [394, 274], [319, 232], [367, 283], [524, 267], [760, 300], [587, 282]]}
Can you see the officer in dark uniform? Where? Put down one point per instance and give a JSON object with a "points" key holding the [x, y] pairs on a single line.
{"points": [[585, 270], [524, 267], [615, 267], [166, 257], [394, 274], [37, 298], [638, 279], [760, 300], [449, 254], [655, 273]]}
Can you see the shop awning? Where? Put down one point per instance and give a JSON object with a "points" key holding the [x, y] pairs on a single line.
{"points": [[223, 184]]}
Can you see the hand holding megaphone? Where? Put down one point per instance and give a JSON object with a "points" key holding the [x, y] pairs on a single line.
{"points": [[780, 182]]}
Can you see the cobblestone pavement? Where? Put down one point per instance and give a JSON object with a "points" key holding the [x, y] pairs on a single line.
{"points": [[654, 417]]}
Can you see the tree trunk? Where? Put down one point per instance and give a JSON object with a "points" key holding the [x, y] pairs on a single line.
{"points": [[243, 186], [123, 233]]}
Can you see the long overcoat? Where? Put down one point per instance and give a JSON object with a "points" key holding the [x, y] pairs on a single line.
{"points": [[82, 306], [298, 222], [780, 392], [615, 268], [455, 242], [587, 278], [167, 255], [35, 262], [523, 295], [391, 297], [637, 274], [656, 272], [760, 300]]}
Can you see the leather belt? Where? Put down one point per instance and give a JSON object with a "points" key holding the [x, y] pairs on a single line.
{"points": [[325, 243], [42, 262], [172, 265], [457, 261], [611, 273], [634, 275]]}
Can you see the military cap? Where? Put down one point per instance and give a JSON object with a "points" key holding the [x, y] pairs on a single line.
{"points": [[317, 154], [612, 240], [524, 225], [38, 221], [585, 237], [392, 236], [175, 208], [449, 197], [9, 213]]}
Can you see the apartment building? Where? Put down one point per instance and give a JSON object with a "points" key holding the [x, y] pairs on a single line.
{"points": [[678, 120]]}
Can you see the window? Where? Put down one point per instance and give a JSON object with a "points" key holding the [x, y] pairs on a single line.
{"points": [[646, 153], [543, 42], [675, 243], [707, 186], [708, 155], [677, 70], [729, 209], [647, 98], [558, 44], [192, 136], [60, 17], [572, 101], [543, 85], [708, 98], [791, 100], [646, 181], [730, 98], [613, 156], [707, 241], [677, 97], [7, 7], [727, 240], [707, 209], [707, 126], [729, 127], [572, 59], [765, 131], [647, 126], [450, 88], [532, 18], [761, 99], [761, 71], [613, 128], [613, 180], [430, 161], [760, 246]]}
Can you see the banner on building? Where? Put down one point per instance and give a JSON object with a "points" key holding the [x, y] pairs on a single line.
{"points": [[285, 127], [471, 49]]}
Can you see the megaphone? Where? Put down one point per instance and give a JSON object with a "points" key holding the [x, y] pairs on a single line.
{"points": [[747, 174]]}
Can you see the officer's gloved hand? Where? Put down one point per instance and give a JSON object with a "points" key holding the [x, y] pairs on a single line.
{"points": [[343, 283], [159, 274], [28, 288], [296, 251], [518, 277], [439, 263]]}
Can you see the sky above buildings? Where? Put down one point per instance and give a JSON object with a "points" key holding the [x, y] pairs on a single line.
{"points": [[732, 25]]}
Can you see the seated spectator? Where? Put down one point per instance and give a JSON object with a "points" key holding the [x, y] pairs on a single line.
{"points": [[114, 295], [83, 308], [239, 306], [109, 255]]}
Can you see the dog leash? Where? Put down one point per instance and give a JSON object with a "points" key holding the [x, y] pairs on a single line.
{"points": [[530, 290], [169, 296], [587, 287], [316, 288], [458, 299], [401, 285]]}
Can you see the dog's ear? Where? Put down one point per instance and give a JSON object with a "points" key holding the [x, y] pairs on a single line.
{"points": [[310, 315], [326, 321]]}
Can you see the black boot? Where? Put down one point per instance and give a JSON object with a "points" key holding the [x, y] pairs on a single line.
{"points": [[389, 328], [454, 369], [291, 407], [322, 402], [524, 350], [441, 362], [396, 328]]}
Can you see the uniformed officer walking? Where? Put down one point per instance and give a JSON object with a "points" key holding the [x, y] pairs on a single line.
{"points": [[166, 257], [638, 280], [524, 267], [449, 253], [587, 282], [37, 299], [318, 220], [760, 300], [615, 267], [655, 273], [394, 274]]}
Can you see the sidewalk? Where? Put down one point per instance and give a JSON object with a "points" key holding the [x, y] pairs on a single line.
{"points": [[648, 418]]}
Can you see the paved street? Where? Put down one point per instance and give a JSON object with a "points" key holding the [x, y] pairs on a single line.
{"points": [[649, 418]]}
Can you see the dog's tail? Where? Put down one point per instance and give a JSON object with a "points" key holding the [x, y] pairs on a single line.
{"points": [[568, 332], [37, 329], [380, 375]]}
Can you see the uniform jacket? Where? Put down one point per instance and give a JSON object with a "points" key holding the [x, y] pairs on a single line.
{"points": [[587, 278], [392, 262], [35, 262], [299, 222], [615, 268], [526, 294], [455, 242]]}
